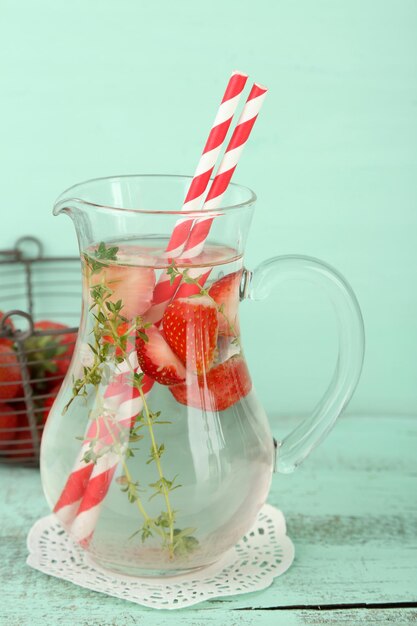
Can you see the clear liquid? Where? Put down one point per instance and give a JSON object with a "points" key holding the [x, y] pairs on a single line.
{"points": [[219, 460]]}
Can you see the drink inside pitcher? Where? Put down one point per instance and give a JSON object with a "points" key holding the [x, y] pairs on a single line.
{"points": [[161, 410]]}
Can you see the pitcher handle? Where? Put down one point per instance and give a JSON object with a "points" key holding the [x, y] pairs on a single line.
{"points": [[256, 285]]}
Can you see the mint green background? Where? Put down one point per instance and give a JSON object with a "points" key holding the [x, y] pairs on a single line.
{"points": [[97, 88]]}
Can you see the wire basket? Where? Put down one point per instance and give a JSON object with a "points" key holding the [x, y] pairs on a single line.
{"points": [[34, 354]]}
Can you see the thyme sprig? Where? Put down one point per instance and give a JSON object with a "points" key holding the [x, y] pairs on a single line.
{"points": [[96, 262], [111, 345]]}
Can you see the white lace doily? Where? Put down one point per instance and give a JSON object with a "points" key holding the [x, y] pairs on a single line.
{"points": [[262, 554]]}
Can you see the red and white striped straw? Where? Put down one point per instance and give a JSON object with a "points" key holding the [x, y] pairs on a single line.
{"points": [[67, 505], [126, 405], [227, 167], [164, 290], [118, 393], [208, 159]]}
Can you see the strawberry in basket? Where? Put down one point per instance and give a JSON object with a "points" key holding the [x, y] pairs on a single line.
{"points": [[21, 446], [49, 356], [10, 377], [48, 402], [8, 425], [8, 326]]}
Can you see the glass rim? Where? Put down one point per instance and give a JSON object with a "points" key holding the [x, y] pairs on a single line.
{"points": [[66, 197]]}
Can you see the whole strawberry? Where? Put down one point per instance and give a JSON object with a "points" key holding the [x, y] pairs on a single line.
{"points": [[6, 328], [22, 447], [10, 377], [48, 402], [8, 425], [66, 342], [190, 327], [49, 355]]}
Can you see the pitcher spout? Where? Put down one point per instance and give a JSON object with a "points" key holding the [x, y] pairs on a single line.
{"points": [[64, 206], [75, 208]]}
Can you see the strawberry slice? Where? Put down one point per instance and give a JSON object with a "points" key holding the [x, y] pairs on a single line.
{"points": [[225, 292], [190, 327], [221, 388], [158, 360], [131, 284]]}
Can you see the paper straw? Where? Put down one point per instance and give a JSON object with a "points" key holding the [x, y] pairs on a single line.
{"points": [[104, 469], [118, 393], [208, 159], [227, 167]]}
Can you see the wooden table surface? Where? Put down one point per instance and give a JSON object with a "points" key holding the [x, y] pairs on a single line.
{"points": [[351, 512]]}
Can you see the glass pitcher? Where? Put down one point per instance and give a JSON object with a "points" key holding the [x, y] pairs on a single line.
{"points": [[157, 454]]}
